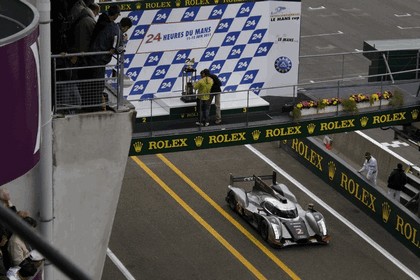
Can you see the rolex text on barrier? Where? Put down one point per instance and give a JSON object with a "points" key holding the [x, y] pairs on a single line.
{"points": [[397, 220], [205, 139]]}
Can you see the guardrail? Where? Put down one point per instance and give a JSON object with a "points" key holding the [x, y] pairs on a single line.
{"points": [[80, 86], [368, 65], [74, 93], [246, 113]]}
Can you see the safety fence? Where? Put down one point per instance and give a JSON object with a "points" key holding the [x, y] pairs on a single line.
{"points": [[82, 85], [366, 66]]}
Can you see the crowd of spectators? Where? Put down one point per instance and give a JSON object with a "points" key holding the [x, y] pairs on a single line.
{"points": [[17, 259]]}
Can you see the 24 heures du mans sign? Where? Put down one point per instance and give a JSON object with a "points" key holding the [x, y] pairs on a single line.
{"points": [[250, 135]]}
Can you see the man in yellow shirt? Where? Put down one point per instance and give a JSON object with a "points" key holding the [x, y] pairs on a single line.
{"points": [[203, 87]]}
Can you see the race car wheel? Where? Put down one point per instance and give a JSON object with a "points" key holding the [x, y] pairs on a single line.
{"points": [[232, 201], [264, 230]]}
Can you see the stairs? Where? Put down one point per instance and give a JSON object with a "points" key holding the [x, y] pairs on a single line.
{"points": [[410, 194]]}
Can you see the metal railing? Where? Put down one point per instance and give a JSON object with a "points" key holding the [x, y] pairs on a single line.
{"points": [[74, 93], [247, 114], [15, 224], [81, 86], [371, 65]]}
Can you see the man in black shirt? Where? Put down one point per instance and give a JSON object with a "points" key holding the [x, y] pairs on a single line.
{"points": [[396, 181]]}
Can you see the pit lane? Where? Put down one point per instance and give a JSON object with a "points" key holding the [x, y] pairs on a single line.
{"points": [[158, 233]]}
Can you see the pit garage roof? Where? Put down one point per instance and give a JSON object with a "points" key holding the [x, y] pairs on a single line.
{"points": [[390, 45]]}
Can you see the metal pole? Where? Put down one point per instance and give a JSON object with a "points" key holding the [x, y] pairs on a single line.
{"points": [[45, 182], [247, 108], [151, 116], [417, 64], [120, 90], [387, 67], [338, 96], [382, 90]]}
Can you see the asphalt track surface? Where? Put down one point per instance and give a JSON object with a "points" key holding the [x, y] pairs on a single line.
{"points": [[172, 221]]}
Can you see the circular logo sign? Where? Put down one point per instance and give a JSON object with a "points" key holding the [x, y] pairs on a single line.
{"points": [[283, 64]]}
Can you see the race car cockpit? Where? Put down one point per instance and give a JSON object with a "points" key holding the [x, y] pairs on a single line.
{"points": [[283, 210]]}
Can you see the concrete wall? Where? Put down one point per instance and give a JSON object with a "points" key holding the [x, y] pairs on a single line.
{"points": [[352, 147], [90, 155], [340, 175]]}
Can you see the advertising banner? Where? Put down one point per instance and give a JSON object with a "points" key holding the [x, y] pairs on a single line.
{"points": [[284, 28], [170, 37], [248, 45], [394, 217], [142, 145], [20, 113]]}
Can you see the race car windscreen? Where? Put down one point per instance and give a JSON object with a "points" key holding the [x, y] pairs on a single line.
{"points": [[283, 213]]}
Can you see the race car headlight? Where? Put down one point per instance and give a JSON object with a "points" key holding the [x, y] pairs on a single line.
{"points": [[277, 231], [322, 227]]}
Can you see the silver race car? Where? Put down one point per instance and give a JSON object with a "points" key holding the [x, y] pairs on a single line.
{"points": [[275, 213]]}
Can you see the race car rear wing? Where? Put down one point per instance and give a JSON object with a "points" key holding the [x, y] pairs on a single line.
{"points": [[272, 177], [259, 183]]}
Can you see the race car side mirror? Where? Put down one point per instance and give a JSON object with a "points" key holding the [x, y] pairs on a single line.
{"points": [[311, 207]]}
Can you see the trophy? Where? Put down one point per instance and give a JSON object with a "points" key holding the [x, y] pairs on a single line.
{"points": [[189, 63], [188, 77]]}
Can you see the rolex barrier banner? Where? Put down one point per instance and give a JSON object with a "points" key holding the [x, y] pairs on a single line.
{"points": [[247, 44], [397, 220], [203, 139]]}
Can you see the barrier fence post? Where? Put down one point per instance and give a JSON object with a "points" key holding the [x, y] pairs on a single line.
{"points": [[120, 79]]}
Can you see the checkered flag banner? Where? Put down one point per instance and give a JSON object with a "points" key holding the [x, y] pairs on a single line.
{"points": [[250, 45]]}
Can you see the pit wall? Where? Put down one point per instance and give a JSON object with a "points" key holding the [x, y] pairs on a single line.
{"points": [[90, 155], [342, 177], [355, 153]]}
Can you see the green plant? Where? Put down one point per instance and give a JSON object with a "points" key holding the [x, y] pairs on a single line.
{"points": [[349, 105], [397, 99], [322, 103], [373, 97], [296, 113]]}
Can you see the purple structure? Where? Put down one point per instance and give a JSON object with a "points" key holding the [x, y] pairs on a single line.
{"points": [[19, 90]]}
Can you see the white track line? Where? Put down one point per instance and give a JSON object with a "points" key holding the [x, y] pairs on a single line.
{"points": [[323, 34], [119, 265], [408, 27], [335, 213]]}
